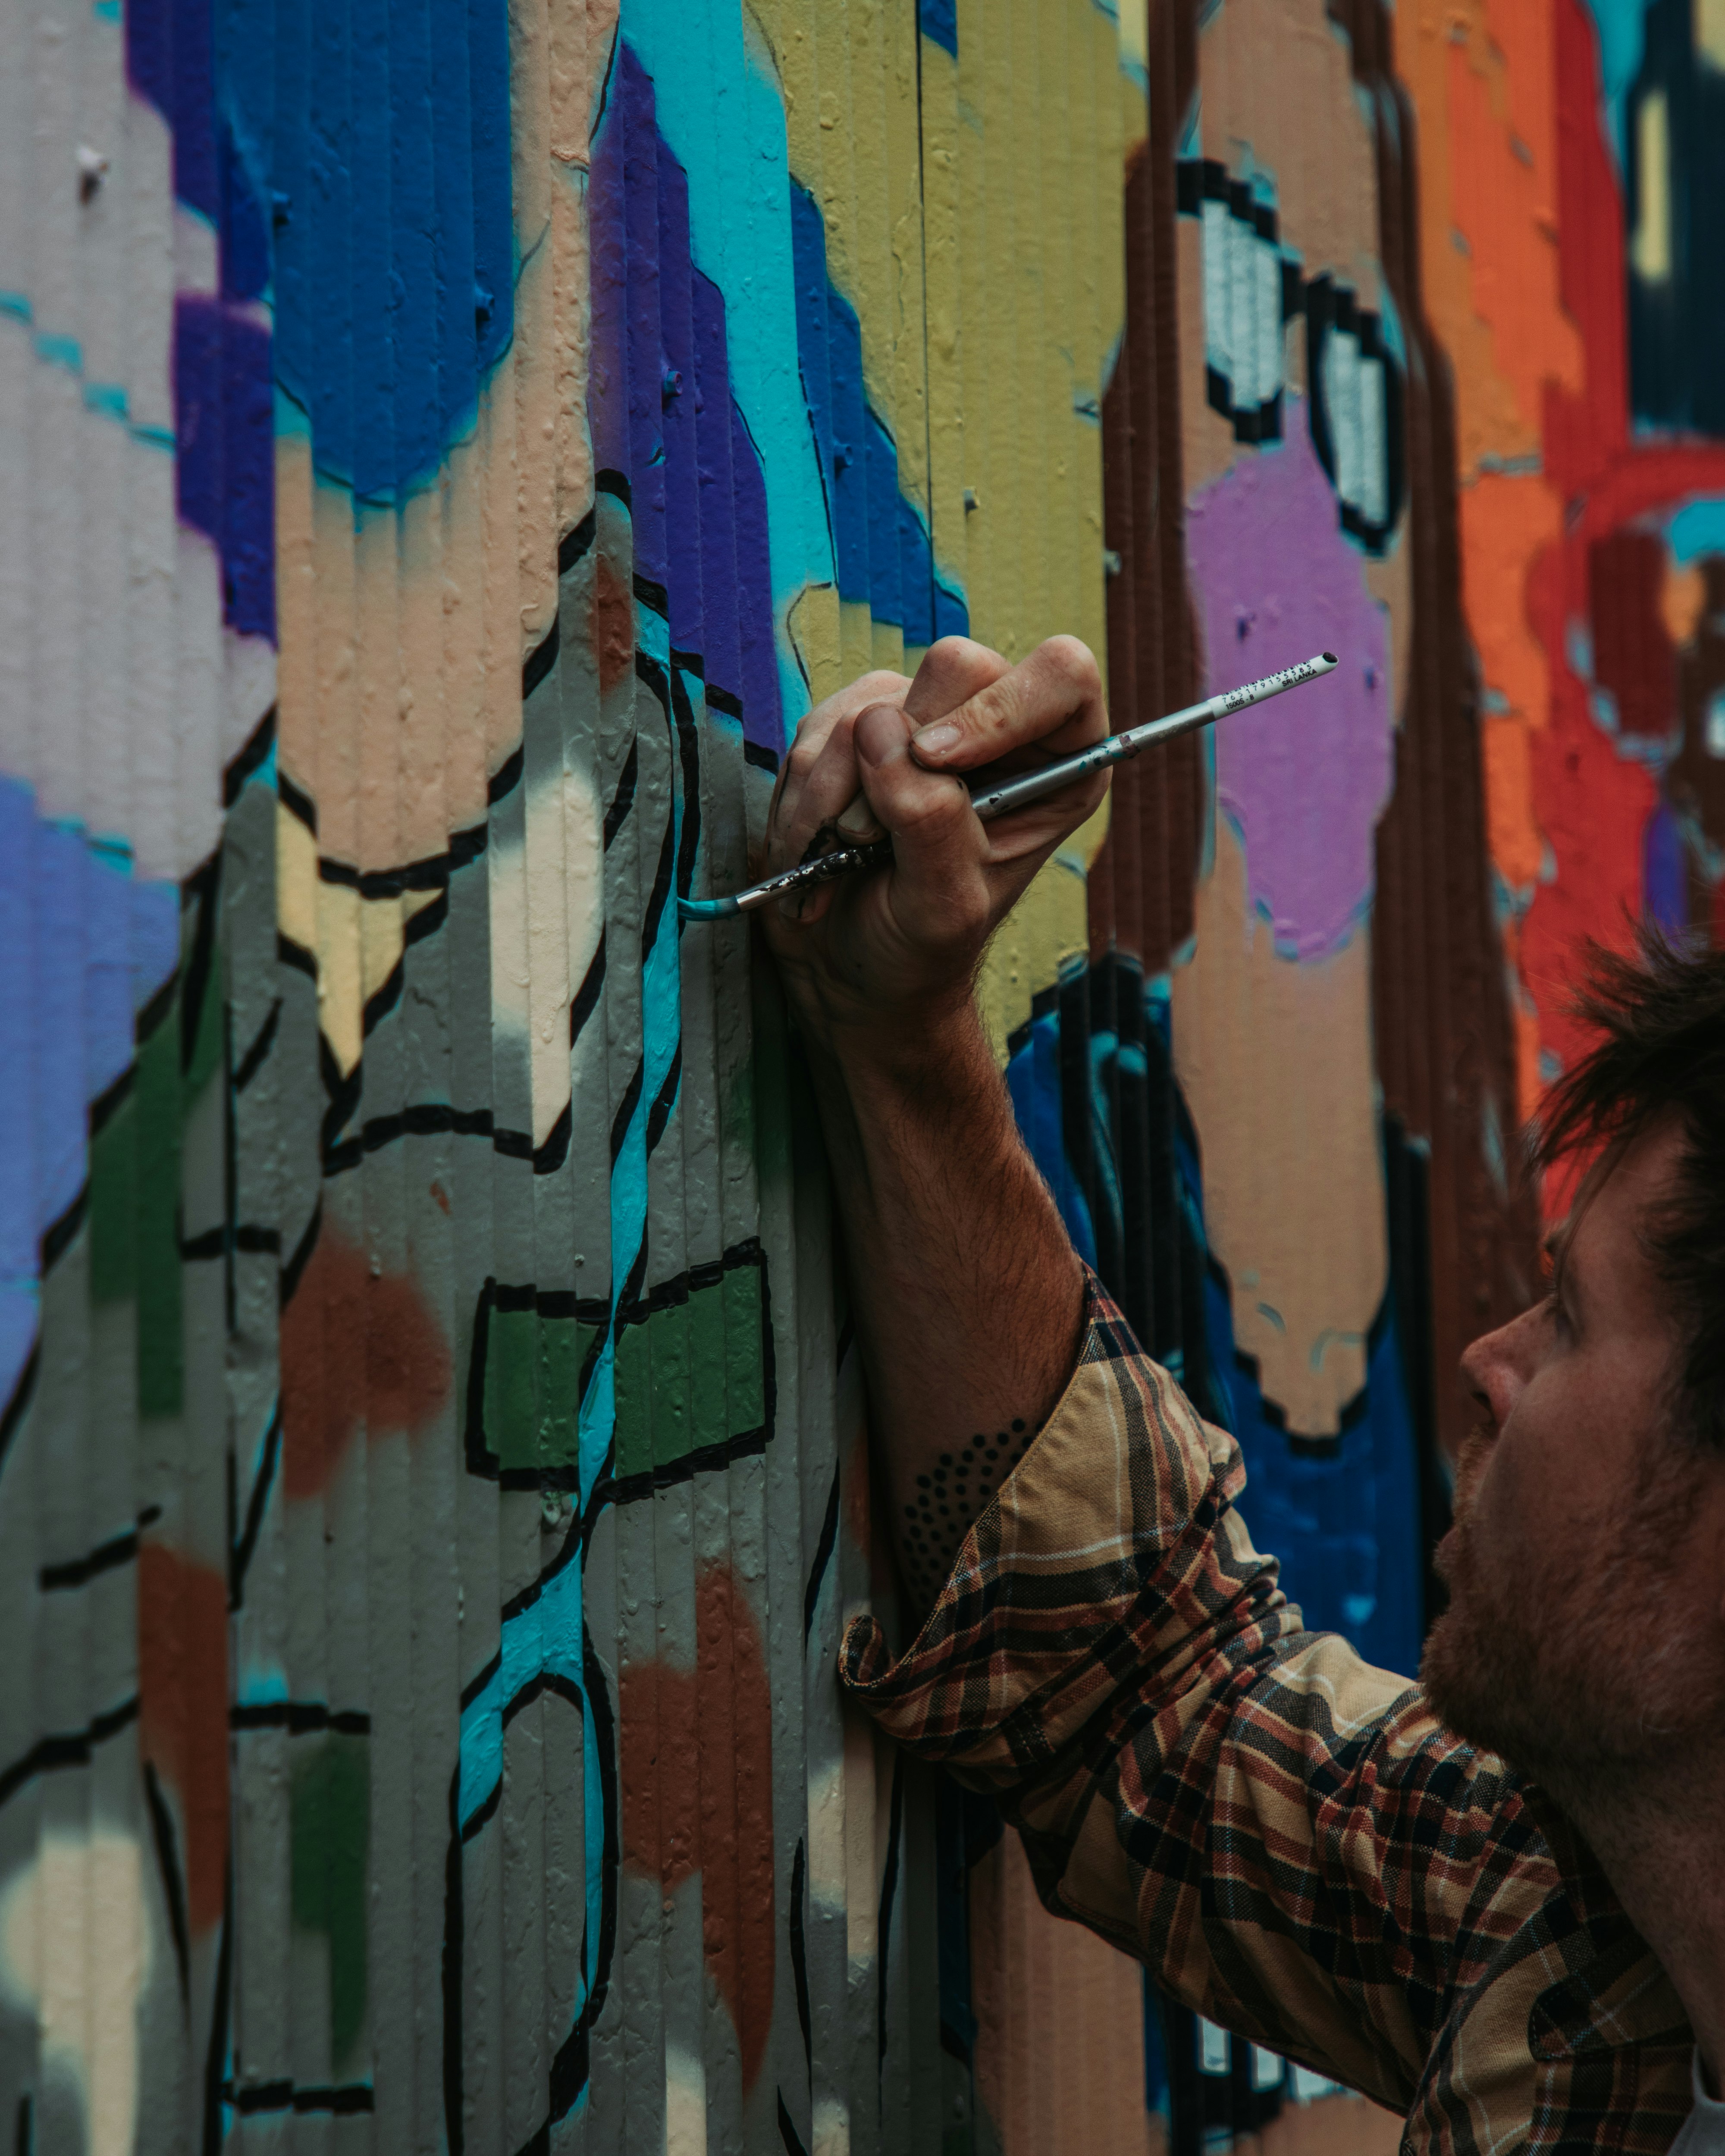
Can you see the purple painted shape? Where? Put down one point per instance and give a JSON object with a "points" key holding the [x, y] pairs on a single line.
{"points": [[707, 393], [662, 414], [762, 710], [1665, 859], [1304, 778], [225, 438], [170, 58]]}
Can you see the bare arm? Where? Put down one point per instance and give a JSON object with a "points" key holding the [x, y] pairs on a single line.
{"points": [[966, 1293]]}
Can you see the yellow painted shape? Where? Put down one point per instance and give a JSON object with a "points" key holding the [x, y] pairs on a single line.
{"points": [[1275, 1060], [813, 627], [357, 942], [1709, 28], [1028, 277], [943, 309], [1651, 244], [1683, 599]]}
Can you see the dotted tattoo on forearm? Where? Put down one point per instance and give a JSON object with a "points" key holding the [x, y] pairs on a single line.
{"points": [[949, 1497]]}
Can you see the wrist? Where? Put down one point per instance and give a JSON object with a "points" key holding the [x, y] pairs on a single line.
{"points": [[926, 1046]]}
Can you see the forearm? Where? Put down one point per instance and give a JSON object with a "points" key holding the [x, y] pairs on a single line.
{"points": [[965, 1293]]}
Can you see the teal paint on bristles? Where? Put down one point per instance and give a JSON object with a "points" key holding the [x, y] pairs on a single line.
{"points": [[1020, 791]]}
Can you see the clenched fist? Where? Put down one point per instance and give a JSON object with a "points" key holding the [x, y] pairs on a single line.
{"points": [[885, 756]]}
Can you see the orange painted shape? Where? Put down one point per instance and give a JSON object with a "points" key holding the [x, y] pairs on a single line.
{"points": [[356, 1346], [1502, 209], [183, 1710], [710, 1812]]}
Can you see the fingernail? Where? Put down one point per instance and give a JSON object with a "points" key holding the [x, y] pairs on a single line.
{"points": [[858, 821], [935, 741]]}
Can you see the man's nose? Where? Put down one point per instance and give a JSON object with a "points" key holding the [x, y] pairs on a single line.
{"points": [[1499, 1364]]}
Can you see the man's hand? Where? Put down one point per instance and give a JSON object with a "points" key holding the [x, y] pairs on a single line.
{"points": [[966, 1292], [884, 756]]}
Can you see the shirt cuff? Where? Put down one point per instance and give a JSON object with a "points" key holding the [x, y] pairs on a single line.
{"points": [[1108, 1552]]}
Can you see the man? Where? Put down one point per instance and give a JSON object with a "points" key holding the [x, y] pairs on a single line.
{"points": [[1495, 1901]]}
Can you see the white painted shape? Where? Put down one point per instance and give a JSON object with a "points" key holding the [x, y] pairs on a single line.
{"points": [[249, 688], [1374, 503], [199, 695], [547, 911], [1715, 723], [75, 1951], [826, 1835], [196, 258], [832, 2126], [1217, 224], [1341, 384], [1267, 2068], [16, 650], [685, 2103], [1266, 311], [1212, 2054]]}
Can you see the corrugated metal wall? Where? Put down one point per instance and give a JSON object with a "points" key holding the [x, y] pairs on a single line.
{"points": [[446, 448]]}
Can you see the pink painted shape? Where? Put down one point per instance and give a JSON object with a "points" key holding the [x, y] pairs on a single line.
{"points": [[1305, 777]]}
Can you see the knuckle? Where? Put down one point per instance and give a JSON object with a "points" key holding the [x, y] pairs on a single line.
{"points": [[1075, 659], [881, 686]]}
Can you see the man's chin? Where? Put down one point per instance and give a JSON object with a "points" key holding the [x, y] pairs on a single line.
{"points": [[1470, 1690]]}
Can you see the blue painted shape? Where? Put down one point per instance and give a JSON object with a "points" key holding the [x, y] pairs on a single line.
{"points": [[83, 946], [1622, 31], [1346, 1527], [1033, 1079], [938, 20], [1697, 528], [1665, 865], [378, 138], [882, 549]]}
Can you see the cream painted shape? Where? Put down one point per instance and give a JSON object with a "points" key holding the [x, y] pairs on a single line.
{"points": [[75, 1950], [1275, 1057], [547, 911]]}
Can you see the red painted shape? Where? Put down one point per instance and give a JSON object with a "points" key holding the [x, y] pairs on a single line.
{"points": [[1591, 799], [1633, 657], [356, 1347], [183, 1710], [697, 1796], [612, 625]]}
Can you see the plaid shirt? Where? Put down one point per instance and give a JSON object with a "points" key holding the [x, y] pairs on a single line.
{"points": [[1287, 1836]]}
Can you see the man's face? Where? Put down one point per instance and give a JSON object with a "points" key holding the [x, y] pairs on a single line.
{"points": [[1585, 1636]]}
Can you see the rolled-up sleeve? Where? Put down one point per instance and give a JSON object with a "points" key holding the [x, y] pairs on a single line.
{"points": [[1283, 1833]]}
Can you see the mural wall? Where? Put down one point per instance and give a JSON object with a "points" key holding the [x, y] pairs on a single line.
{"points": [[447, 447]]}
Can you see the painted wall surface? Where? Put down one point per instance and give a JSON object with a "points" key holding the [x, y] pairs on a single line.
{"points": [[447, 446]]}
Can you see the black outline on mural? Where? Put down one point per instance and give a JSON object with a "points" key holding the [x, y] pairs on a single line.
{"points": [[563, 1304]]}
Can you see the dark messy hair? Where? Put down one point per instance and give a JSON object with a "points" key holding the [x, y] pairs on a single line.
{"points": [[1659, 1015]]}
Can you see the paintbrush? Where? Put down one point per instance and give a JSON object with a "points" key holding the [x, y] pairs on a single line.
{"points": [[999, 799]]}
